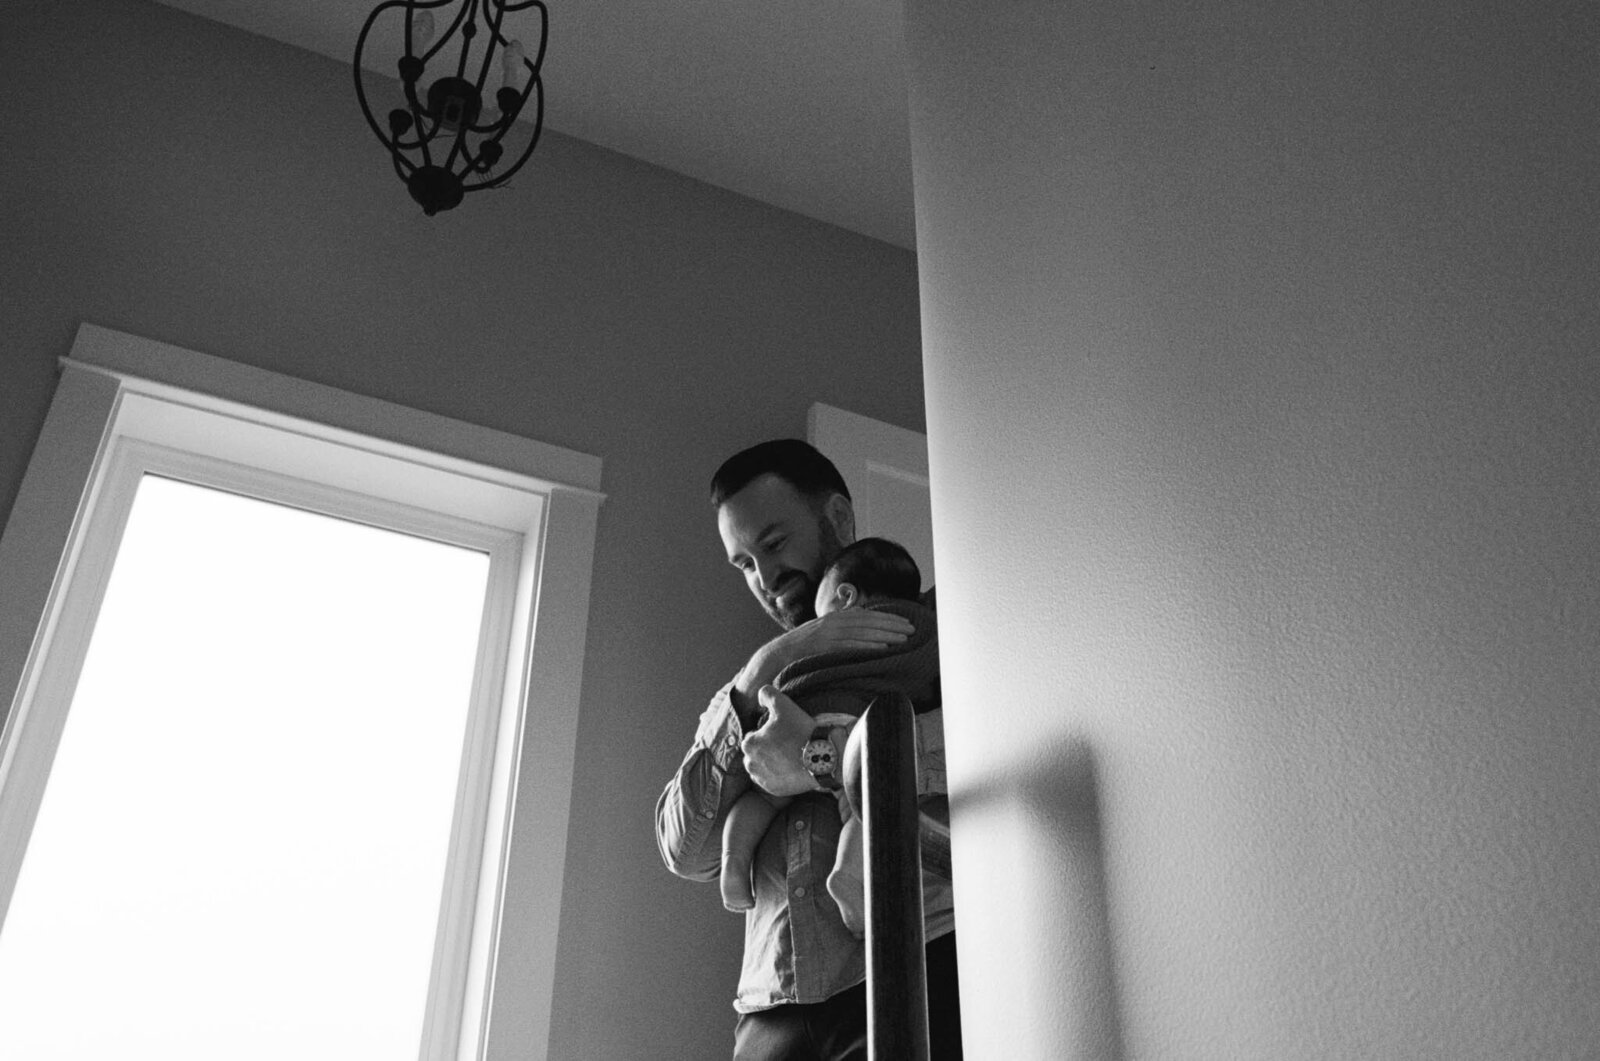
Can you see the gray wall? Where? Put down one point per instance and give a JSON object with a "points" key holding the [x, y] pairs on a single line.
{"points": [[182, 181], [1271, 661]]}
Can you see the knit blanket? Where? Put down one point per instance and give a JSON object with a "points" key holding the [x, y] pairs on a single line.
{"points": [[847, 681]]}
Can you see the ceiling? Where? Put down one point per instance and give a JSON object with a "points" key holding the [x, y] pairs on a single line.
{"points": [[801, 105]]}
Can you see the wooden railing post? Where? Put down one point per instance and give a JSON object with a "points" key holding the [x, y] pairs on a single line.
{"points": [[897, 979]]}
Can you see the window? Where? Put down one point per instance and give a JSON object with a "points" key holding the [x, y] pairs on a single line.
{"points": [[147, 495]]}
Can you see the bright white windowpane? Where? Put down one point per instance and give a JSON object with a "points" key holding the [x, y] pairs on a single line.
{"points": [[241, 849]]}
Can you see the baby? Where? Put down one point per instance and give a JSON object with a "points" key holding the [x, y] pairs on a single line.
{"points": [[835, 688]]}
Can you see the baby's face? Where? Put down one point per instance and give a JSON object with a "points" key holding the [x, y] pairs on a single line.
{"points": [[829, 599]]}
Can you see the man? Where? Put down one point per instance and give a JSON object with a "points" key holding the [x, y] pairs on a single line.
{"points": [[783, 513]]}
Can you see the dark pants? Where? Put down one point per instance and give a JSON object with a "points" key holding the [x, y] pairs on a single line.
{"points": [[836, 1030]]}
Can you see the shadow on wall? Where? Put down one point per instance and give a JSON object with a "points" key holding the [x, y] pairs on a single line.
{"points": [[1049, 817]]}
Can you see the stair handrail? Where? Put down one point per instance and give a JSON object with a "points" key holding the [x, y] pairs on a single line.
{"points": [[897, 979]]}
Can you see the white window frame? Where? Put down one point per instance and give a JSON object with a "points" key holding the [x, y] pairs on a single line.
{"points": [[126, 405]]}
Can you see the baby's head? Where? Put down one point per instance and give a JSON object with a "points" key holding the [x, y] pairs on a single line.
{"points": [[871, 570]]}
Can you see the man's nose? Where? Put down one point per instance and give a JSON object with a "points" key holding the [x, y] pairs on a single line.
{"points": [[767, 574]]}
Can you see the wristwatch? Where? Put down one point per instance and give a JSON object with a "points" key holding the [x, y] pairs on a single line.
{"points": [[821, 760], [823, 755]]}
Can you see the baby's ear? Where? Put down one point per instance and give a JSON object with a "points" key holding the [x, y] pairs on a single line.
{"points": [[848, 595]]}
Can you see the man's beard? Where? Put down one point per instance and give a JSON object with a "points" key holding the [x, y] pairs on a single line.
{"points": [[804, 606]]}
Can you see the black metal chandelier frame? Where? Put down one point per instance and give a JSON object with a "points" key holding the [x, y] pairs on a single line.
{"points": [[440, 142]]}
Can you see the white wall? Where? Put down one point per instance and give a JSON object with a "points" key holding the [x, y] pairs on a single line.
{"points": [[1261, 367]]}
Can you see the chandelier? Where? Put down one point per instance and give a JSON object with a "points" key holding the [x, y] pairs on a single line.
{"points": [[446, 139]]}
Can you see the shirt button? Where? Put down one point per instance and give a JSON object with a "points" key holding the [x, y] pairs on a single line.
{"points": [[708, 814], [800, 827], [800, 892]]}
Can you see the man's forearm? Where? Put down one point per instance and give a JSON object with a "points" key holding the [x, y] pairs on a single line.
{"points": [[763, 666], [772, 753], [689, 832], [694, 803], [857, 629]]}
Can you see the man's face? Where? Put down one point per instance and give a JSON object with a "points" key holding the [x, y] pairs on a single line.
{"points": [[781, 541]]}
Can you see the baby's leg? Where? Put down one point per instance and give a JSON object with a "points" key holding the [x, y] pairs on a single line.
{"points": [[846, 883], [747, 823]]}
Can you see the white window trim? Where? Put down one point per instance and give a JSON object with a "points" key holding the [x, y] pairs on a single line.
{"points": [[533, 505]]}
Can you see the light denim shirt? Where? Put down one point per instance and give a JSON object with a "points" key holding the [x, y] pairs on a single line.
{"points": [[796, 946]]}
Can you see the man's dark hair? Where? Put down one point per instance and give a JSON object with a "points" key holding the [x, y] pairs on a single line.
{"points": [[797, 463], [878, 567]]}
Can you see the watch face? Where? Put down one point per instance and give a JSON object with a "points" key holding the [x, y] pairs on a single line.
{"points": [[818, 757]]}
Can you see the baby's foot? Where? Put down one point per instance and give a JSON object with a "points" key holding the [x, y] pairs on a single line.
{"points": [[737, 894], [850, 892]]}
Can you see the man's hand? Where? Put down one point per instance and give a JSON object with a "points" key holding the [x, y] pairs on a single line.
{"points": [[861, 629], [772, 753]]}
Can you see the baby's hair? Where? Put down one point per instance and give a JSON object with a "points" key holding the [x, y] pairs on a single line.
{"points": [[878, 567]]}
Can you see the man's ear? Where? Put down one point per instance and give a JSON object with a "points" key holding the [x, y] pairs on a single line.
{"points": [[841, 514]]}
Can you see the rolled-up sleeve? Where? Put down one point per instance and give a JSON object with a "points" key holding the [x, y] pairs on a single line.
{"points": [[692, 807]]}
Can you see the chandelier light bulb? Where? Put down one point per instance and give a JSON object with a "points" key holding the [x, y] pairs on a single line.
{"points": [[513, 68], [421, 30]]}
